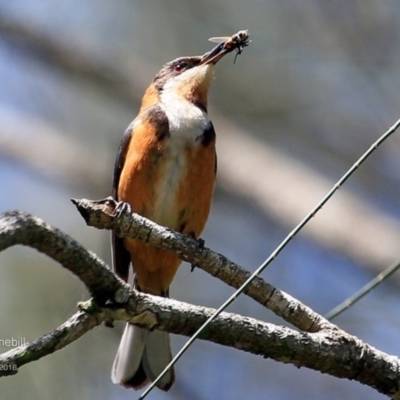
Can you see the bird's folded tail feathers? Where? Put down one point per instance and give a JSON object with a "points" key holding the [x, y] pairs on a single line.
{"points": [[142, 355]]}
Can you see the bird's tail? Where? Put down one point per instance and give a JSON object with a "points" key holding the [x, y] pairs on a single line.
{"points": [[142, 355]]}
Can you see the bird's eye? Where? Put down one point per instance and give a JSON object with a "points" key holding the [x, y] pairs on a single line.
{"points": [[179, 67]]}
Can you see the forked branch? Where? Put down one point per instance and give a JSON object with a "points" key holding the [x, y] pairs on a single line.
{"points": [[330, 350]]}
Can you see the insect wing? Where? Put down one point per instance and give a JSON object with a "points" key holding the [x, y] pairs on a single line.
{"points": [[219, 39]]}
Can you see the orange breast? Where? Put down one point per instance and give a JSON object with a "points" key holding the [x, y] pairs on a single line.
{"points": [[172, 186], [196, 189]]}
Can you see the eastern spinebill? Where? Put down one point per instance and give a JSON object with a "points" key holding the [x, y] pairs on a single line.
{"points": [[165, 169]]}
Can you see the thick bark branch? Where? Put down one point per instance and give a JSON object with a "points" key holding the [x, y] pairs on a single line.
{"points": [[335, 353], [329, 351], [108, 214]]}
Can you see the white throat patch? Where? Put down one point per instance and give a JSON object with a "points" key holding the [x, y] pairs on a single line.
{"points": [[187, 123], [185, 119]]}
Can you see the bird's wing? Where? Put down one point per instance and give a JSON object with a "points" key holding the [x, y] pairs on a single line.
{"points": [[120, 256]]}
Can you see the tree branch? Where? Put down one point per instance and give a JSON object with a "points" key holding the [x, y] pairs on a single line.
{"points": [[329, 351], [337, 354], [108, 214]]}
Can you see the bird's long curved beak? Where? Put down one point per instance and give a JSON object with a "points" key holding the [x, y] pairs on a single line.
{"points": [[214, 55]]}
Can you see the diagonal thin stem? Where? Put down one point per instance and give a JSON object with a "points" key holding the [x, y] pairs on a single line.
{"points": [[363, 291], [275, 253]]}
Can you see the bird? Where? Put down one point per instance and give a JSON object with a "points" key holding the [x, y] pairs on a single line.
{"points": [[165, 169]]}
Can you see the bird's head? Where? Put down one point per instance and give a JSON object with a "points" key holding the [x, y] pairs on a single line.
{"points": [[188, 77]]}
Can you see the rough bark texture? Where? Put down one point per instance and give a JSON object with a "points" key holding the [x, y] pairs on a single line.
{"points": [[108, 214], [320, 346]]}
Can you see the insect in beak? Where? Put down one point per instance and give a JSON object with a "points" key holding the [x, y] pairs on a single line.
{"points": [[227, 44]]}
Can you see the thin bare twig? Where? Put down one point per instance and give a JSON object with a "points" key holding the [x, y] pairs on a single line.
{"points": [[371, 285]]}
